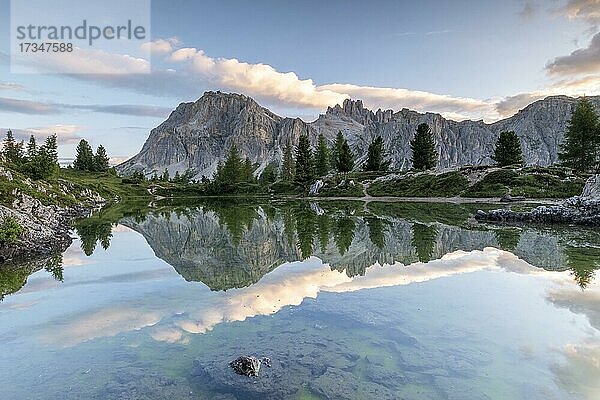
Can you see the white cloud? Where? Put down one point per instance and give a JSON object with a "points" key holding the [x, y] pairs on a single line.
{"points": [[161, 46], [65, 134]]}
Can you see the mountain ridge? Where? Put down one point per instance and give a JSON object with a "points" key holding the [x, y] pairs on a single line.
{"points": [[197, 135]]}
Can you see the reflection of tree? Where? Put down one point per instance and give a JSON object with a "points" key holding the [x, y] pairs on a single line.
{"points": [[305, 228], [94, 230], [583, 262], [323, 227], [343, 233], [508, 238], [236, 219], [54, 267], [423, 240], [376, 231]]}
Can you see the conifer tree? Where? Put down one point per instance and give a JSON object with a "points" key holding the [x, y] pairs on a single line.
{"points": [[84, 159], [165, 176], [268, 175], [31, 148], [342, 154], [508, 150], [287, 166], [304, 161], [424, 153], [322, 157], [581, 148], [13, 150], [376, 157], [101, 161]]}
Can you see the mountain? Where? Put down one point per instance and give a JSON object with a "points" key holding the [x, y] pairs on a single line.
{"points": [[197, 135]]}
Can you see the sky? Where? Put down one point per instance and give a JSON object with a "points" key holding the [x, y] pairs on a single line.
{"points": [[463, 59]]}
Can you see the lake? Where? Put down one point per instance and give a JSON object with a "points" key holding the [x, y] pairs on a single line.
{"points": [[349, 300]]}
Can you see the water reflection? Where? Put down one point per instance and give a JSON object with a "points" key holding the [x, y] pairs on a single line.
{"points": [[340, 288], [232, 244]]}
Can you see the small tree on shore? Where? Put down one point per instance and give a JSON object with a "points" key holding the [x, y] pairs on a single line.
{"points": [[376, 160], [581, 147], [424, 153], [508, 150]]}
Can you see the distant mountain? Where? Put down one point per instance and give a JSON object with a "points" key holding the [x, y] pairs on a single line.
{"points": [[197, 135]]}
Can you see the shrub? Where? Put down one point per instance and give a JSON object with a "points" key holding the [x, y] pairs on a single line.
{"points": [[10, 230]]}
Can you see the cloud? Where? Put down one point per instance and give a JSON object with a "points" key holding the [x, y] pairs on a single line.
{"points": [[84, 61], [587, 10], [38, 107], [259, 80], [161, 46], [187, 69], [528, 11], [585, 60], [11, 86], [125, 109], [26, 106], [512, 104], [65, 134], [378, 97]]}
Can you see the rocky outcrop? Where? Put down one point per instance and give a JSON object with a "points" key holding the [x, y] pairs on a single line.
{"points": [[579, 210], [591, 190], [46, 226], [197, 135]]}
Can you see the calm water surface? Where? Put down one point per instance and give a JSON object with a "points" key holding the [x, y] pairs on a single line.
{"points": [[349, 300]]}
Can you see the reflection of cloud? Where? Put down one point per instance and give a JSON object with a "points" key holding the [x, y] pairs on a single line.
{"points": [[291, 283], [103, 323], [165, 334], [581, 373], [74, 257], [586, 302]]}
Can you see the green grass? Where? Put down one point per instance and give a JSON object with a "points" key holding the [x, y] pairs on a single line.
{"points": [[529, 182], [449, 184], [10, 230]]}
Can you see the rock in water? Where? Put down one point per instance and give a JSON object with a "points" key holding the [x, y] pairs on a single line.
{"points": [[249, 365]]}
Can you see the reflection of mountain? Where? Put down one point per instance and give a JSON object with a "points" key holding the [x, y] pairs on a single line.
{"points": [[235, 245]]}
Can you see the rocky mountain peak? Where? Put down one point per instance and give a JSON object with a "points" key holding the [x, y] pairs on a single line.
{"points": [[198, 135]]}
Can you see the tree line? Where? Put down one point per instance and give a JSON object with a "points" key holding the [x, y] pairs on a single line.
{"points": [[36, 161]]}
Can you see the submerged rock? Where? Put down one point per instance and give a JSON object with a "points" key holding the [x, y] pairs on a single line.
{"points": [[249, 365]]}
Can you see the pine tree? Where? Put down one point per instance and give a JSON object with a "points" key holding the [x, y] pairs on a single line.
{"points": [[13, 150], [247, 174], [101, 161], [322, 157], [424, 153], [51, 149], [268, 175], [231, 172], [581, 147], [287, 166], [508, 150], [343, 158], [376, 156], [84, 160], [165, 176], [304, 161], [177, 177], [31, 148]]}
